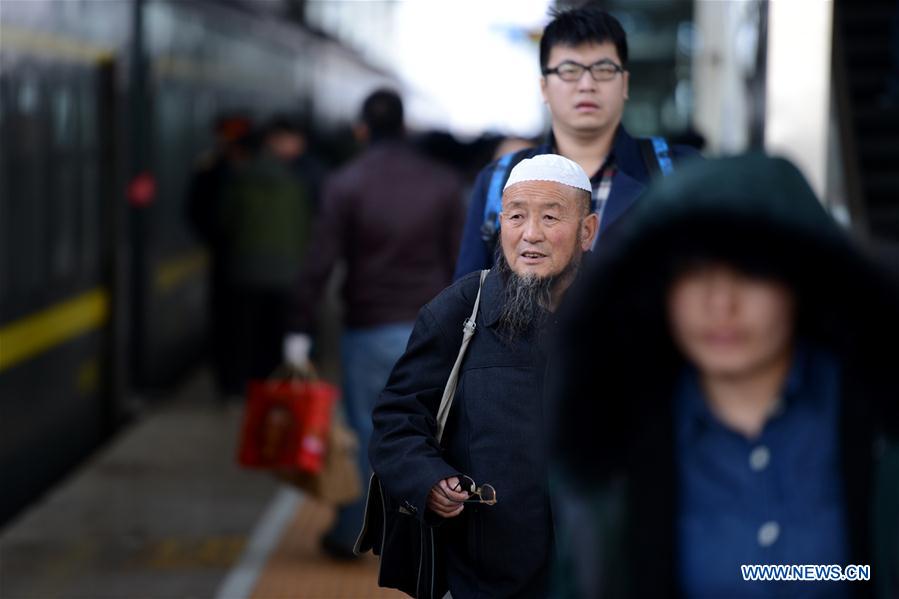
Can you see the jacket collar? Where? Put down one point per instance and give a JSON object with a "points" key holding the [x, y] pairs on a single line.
{"points": [[625, 154], [628, 156], [492, 298], [693, 414]]}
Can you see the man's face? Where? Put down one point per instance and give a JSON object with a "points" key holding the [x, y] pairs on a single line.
{"points": [[585, 106], [544, 226], [285, 145], [730, 324]]}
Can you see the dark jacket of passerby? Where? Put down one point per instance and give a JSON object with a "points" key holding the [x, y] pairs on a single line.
{"points": [[263, 223], [312, 172], [395, 218], [204, 196], [617, 481], [494, 435], [631, 177], [264, 220]]}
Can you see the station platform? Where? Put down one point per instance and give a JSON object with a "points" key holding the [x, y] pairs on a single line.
{"points": [[164, 511]]}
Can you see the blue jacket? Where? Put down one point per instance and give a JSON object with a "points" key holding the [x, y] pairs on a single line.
{"points": [[630, 180], [494, 434]]}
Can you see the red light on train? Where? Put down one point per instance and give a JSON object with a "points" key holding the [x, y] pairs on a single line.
{"points": [[142, 190]]}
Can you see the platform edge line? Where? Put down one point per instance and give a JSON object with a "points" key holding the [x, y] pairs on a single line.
{"points": [[241, 580]]}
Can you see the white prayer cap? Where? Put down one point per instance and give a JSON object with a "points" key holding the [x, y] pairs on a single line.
{"points": [[550, 167]]}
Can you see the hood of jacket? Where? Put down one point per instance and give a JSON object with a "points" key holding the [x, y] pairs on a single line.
{"points": [[754, 212]]}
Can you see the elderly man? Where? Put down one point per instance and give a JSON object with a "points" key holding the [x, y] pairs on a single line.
{"points": [[495, 431]]}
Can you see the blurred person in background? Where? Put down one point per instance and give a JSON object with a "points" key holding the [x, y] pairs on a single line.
{"points": [[208, 181], [727, 396], [394, 217], [510, 145], [583, 58], [291, 143], [264, 222], [212, 170], [495, 432]]}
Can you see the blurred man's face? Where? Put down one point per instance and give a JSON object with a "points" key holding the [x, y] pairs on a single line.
{"points": [[730, 324], [285, 145], [545, 226], [584, 107]]}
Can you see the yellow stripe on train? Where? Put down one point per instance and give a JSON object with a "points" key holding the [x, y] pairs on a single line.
{"points": [[36, 333], [44, 43], [174, 272]]}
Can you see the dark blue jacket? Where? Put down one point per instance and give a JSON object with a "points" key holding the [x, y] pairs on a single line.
{"points": [[494, 434], [630, 180]]}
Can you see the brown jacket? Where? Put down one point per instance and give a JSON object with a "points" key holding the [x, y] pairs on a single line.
{"points": [[395, 217]]}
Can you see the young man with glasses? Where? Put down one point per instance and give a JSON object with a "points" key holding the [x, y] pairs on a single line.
{"points": [[583, 58]]}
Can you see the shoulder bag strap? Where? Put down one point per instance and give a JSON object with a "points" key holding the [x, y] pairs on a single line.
{"points": [[468, 327]]}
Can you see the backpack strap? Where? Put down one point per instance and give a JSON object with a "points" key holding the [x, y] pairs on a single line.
{"points": [[656, 156], [494, 203]]}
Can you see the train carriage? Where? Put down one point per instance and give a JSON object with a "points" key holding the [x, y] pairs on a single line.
{"points": [[102, 286]]}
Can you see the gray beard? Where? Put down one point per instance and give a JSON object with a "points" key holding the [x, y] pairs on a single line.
{"points": [[527, 298]]}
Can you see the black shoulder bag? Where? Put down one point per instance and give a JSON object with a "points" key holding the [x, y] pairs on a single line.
{"points": [[408, 551]]}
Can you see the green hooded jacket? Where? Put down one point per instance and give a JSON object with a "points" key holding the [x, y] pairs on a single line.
{"points": [[265, 220], [614, 486]]}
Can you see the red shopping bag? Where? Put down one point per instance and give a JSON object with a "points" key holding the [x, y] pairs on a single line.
{"points": [[287, 423]]}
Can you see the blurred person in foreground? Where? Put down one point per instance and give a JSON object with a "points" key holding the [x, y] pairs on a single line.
{"points": [[394, 217], [264, 222], [584, 60], [495, 432], [727, 396]]}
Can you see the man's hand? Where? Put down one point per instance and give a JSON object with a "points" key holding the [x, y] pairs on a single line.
{"points": [[445, 502], [296, 351]]}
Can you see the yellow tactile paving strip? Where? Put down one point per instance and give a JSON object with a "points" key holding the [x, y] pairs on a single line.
{"points": [[298, 569]]}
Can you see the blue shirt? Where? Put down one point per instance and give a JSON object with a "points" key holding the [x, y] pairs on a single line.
{"points": [[775, 499]]}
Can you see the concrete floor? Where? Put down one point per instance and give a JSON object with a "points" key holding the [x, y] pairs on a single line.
{"points": [[163, 511]]}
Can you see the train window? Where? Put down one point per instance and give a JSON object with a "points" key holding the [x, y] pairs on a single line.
{"points": [[63, 198], [63, 118], [26, 231], [88, 113], [29, 96], [90, 218], [173, 161], [90, 181], [4, 196]]}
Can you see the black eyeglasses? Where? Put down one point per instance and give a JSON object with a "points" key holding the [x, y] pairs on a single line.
{"points": [[486, 494], [603, 70]]}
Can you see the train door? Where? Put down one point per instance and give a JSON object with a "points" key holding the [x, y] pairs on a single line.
{"points": [[56, 290]]}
